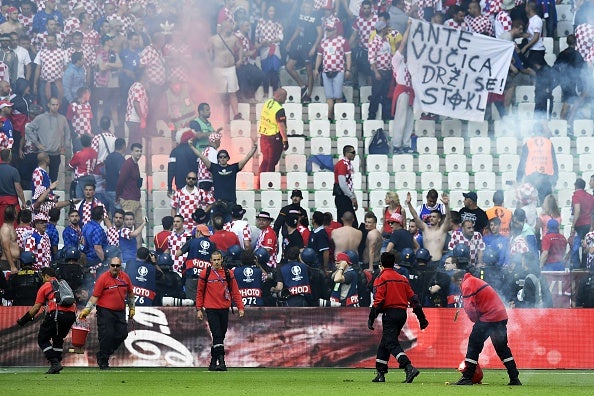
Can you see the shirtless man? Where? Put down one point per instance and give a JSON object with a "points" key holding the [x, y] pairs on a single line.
{"points": [[373, 242], [434, 234], [10, 246], [12, 24], [225, 52], [346, 237]]}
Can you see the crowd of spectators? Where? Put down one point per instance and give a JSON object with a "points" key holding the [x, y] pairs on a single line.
{"points": [[129, 64]]}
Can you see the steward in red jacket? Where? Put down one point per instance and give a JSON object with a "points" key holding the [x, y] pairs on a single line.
{"points": [[216, 289], [484, 307], [392, 295]]}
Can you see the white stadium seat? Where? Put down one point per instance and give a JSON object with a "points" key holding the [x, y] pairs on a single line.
{"points": [[405, 181], [293, 93], [296, 145], [376, 163], [295, 162], [240, 128], [378, 181], [428, 163], [586, 163], [480, 145], [346, 128], [508, 162], [431, 180], [317, 111], [566, 181], [319, 128], [453, 145], [293, 111], [458, 181], [565, 162], [403, 163], [323, 181], [344, 111], [245, 181], [425, 128], [478, 128], [482, 162], [295, 127], [455, 163], [376, 199], [247, 199], [451, 128], [270, 181], [323, 199], [296, 180], [561, 144], [427, 145], [320, 145], [370, 126], [484, 181]]}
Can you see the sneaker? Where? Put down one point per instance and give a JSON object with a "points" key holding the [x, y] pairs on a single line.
{"points": [[514, 381], [379, 377], [104, 367], [464, 381], [306, 99], [408, 150], [221, 367], [397, 150], [238, 116], [213, 365], [411, 373]]}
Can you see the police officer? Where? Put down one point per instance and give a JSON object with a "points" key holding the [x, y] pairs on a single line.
{"points": [[56, 324], [112, 289], [142, 273], [249, 280], [169, 285], [70, 270], [216, 289], [23, 286], [292, 280], [199, 250], [392, 294]]}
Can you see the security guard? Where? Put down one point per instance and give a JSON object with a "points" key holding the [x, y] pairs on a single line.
{"points": [[273, 130], [56, 324], [112, 289], [392, 294], [23, 286], [216, 289]]}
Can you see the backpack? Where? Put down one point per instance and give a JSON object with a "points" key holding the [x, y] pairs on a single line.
{"points": [[227, 278], [379, 143], [63, 293]]}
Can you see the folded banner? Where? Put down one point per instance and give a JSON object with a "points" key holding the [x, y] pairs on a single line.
{"points": [[453, 71]]}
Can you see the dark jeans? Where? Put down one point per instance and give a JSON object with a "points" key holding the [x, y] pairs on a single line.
{"points": [[112, 330], [379, 95], [218, 320], [393, 321], [54, 167]]}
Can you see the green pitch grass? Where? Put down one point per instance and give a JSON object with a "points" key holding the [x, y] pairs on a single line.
{"points": [[284, 382]]}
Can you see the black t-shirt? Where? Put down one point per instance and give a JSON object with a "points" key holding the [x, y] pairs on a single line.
{"points": [[293, 239], [113, 164], [8, 176], [307, 26], [318, 241], [402, 239], [225, 181], [477, 216]]}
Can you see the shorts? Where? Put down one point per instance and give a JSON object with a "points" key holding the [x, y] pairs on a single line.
{"points": [[333, 86], [299, 52], [107, 95], [225, 79]]}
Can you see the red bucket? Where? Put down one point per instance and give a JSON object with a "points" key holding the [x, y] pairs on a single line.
{"points": [[79, 336]]}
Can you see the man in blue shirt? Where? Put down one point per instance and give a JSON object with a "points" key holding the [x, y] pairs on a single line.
{"points": [[49, 12], [95, 237]]}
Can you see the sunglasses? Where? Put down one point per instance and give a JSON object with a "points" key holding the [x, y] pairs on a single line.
{"points": [[222, 156], [115, 265], [190, 178], [352, 152]]}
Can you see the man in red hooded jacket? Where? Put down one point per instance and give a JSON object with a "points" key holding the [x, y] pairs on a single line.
{"points": [[484, 307]]}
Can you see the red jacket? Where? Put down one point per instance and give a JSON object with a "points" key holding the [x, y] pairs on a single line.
{"points": [[112, 292], [391, 290], [217, 292], [481, 301]]}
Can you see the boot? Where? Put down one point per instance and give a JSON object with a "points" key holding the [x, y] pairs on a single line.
{"points": [[213, 364], [380, 377], [221, 366], [55, 366], [102, 361], [512, 372], [514, 381], [464, 381], [411, 373]]}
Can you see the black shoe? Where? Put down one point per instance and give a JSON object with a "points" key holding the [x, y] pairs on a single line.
{"points": [[306, 99], [221, 367], [104, 366], [379, 377], [514, 381], [464, 381], [411, 373], [212, 367], [55, 368]]}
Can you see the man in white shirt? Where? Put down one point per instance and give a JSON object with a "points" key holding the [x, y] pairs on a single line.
{"points": [[534, 49]]}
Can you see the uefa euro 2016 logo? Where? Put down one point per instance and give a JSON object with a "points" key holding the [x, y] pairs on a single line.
{"points": [[296, 271], [248, 273]]}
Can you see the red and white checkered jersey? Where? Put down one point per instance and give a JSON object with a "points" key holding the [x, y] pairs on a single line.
{"points": [[90, 43], [23, 234], [125, 21], [269, 240], [174, 243], [518, 245], [502, 23], [225, 14], [334, 20], [71, 25], [39, 41], [186, 202], [137, 92], [83, 162], [380, 6], [80, 116], [345, 168], [42, 249], [84, 209], [241, 228], [154, 64], [114, 235], [584, 35], [27, 22], [98, 144], [6, 142], [52, 64], [267, 30], [203, 172], [492, 7], [475, 243], [450, 23], [364, 27], [380, 53], [333, 53], [480, 24], [323, 4], [90, 6]]}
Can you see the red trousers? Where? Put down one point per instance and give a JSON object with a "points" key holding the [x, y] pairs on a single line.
{"points": [[272, 149]]}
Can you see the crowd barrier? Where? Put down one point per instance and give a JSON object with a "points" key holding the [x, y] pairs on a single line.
{"points": [[315, 337]]}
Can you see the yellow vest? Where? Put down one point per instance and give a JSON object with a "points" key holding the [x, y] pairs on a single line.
{"points": [[268, 124]]}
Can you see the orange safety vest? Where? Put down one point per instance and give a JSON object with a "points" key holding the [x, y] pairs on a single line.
{"points": [[539, 158]]}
